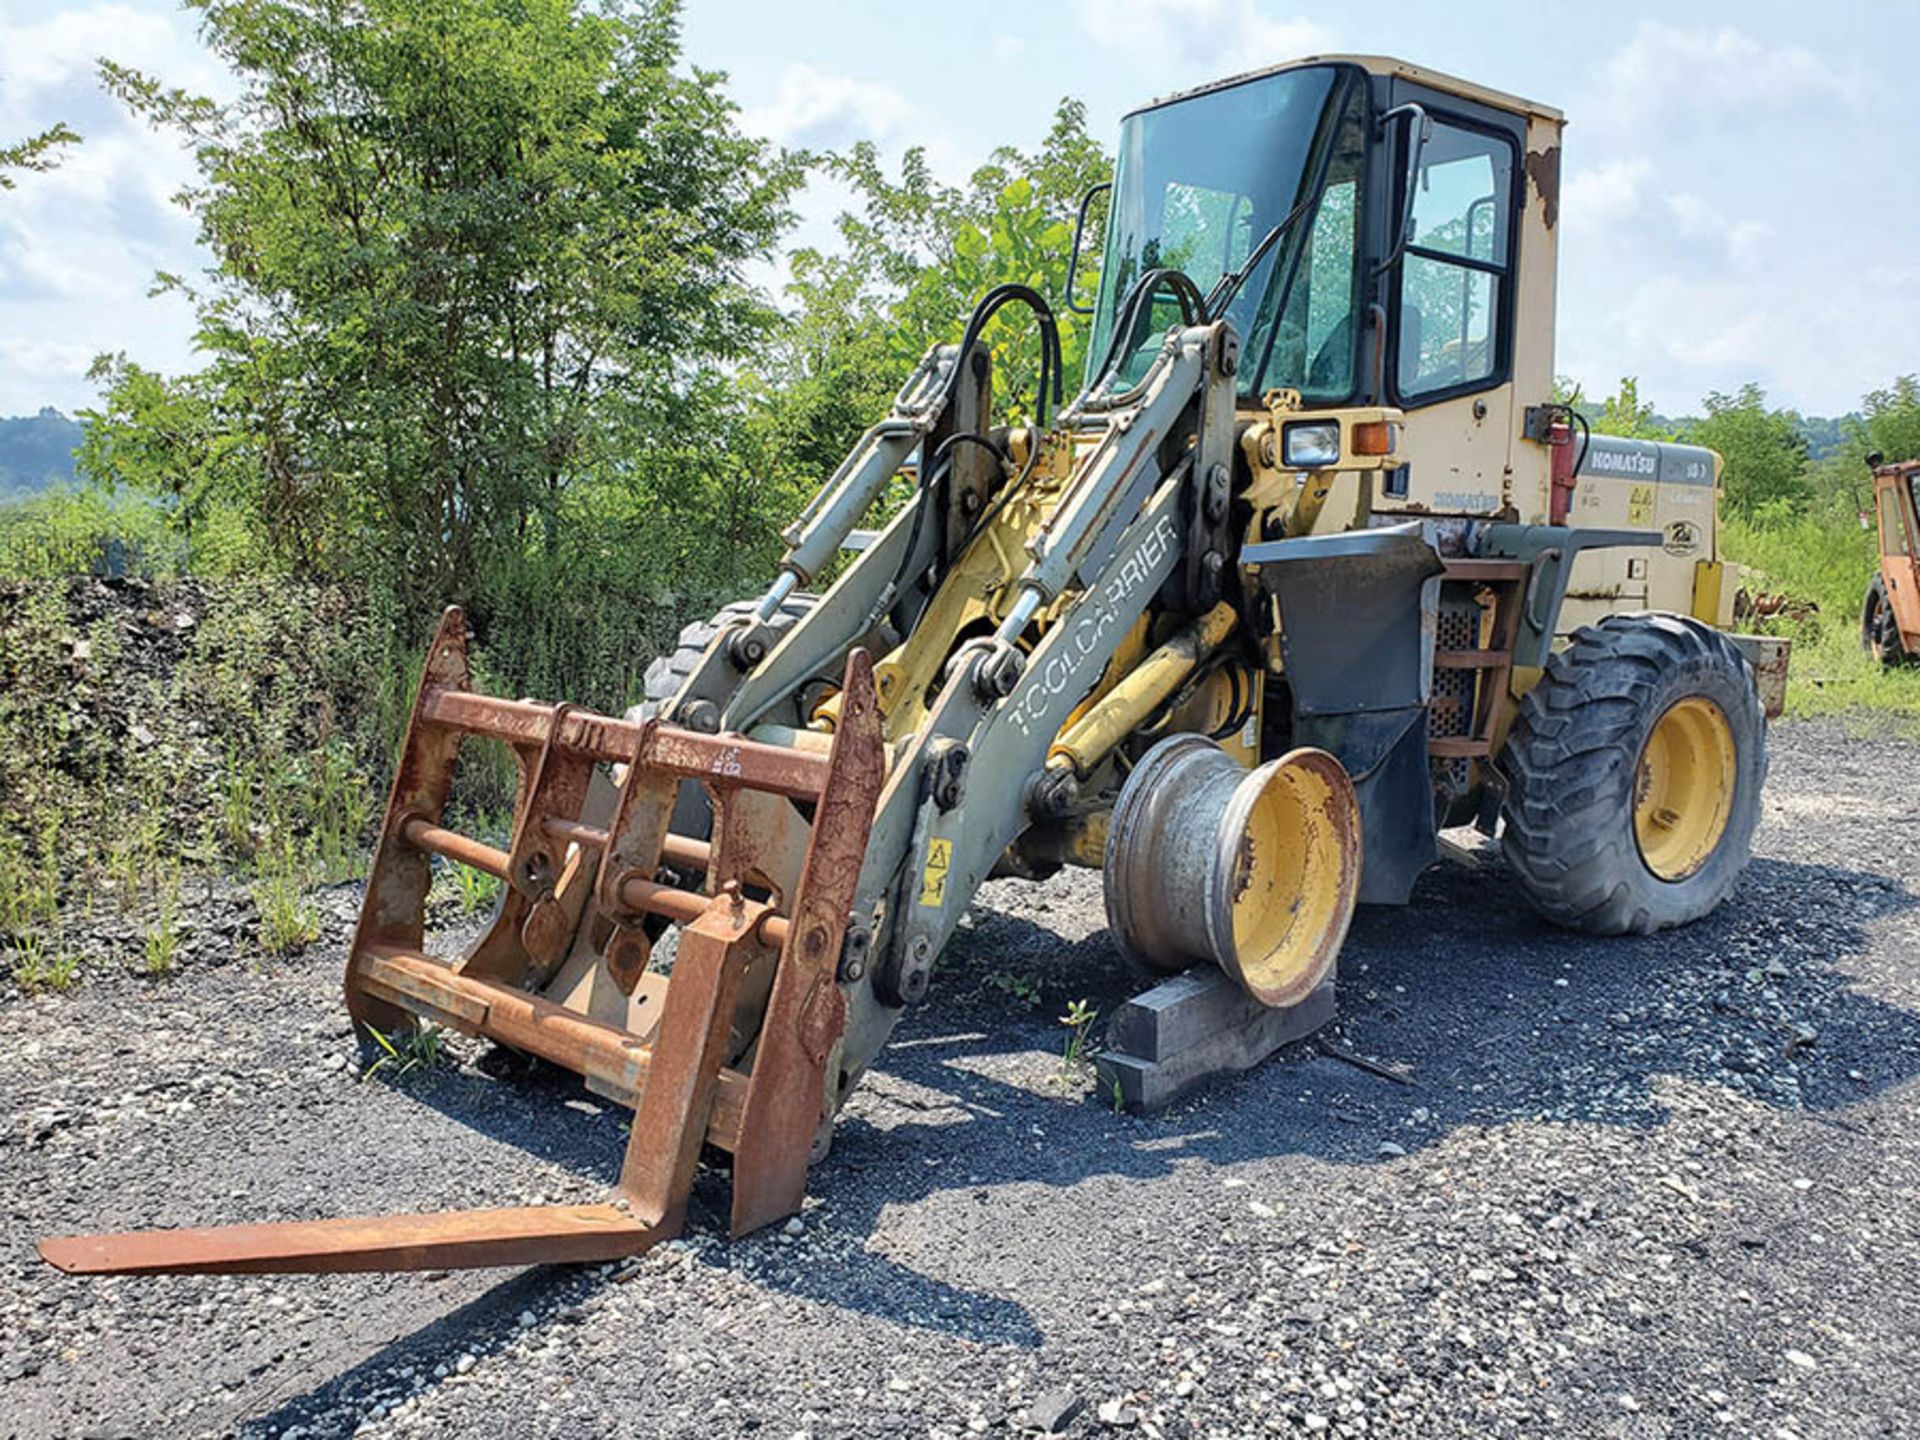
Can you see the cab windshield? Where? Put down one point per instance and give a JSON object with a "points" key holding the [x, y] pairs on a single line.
{"points": [[1198, 186]]}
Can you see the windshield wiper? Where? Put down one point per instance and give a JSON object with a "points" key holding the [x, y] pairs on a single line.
{"points": [[1228, 285]]}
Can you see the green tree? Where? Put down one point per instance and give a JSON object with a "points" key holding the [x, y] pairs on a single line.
{"points": [[1893, 419], [167, 436], [915, 256], [1764, 450], [474, 257], [1622, 413], [36, 153]]}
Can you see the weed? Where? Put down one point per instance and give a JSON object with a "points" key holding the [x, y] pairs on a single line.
{"points": [[39, 965], [29, 887], [1118, 1098], [17, 908], [236, 805], [421, 1048], [123, 866], [288, 919], [1079, 1021], [476, 888], [340, 808], [162, 942], [1020, 987], [469, 891]]}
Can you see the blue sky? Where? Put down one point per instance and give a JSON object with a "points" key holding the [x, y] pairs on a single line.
{"points": [[1741, 179]]}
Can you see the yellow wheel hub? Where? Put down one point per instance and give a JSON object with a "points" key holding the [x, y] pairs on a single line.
{"points": [[1683, 788], [1293, 875]]}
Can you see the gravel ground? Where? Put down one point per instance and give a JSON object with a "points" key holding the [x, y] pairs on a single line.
{"points": [[1635, 1188]]}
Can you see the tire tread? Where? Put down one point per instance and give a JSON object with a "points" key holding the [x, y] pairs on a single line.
{"points": [[1569, 762]]}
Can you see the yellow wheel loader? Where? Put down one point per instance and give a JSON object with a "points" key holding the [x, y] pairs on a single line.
{"points": [[1310, 568]]}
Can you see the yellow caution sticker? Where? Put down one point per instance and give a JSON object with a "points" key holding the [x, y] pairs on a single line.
{"points": [[1640, 505], [933, 875]]}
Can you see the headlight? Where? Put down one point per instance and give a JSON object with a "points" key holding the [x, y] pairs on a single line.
{"points": [[1309, 443]]}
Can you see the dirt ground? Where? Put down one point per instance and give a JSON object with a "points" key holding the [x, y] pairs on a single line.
{"points": [[1634, 1188]]}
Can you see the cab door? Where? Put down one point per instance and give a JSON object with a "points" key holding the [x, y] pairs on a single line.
{"points": [[1451, 303]]}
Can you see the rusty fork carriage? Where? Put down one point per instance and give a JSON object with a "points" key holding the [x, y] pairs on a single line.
{"points": [[733, 1050]]}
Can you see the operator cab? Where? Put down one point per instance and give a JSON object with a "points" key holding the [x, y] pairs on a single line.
{"points": [[1366, 225]]}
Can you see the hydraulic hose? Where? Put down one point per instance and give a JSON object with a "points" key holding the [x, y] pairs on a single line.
{"points": [[940, 462], [1192, 309], [1051, 364]]}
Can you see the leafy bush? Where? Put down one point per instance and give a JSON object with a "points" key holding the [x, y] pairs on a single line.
{"points": [[86, 532]]}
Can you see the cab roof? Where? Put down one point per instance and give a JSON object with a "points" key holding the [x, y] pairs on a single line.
{"points": [[1378, 65]]}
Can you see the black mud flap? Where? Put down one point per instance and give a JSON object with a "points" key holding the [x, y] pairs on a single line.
{"points": [[1357, 615]]}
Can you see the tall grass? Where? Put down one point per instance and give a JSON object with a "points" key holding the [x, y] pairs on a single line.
{"points": [[1827, 559]]}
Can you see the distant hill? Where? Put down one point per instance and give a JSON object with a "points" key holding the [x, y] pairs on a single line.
{"points": [[36, 453], [1824, 434]]}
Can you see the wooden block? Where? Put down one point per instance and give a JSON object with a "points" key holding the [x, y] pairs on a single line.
{"points": [[1184, 1032]]}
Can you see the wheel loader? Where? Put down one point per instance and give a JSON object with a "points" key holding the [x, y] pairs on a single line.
{"points": [[1311, 566]]}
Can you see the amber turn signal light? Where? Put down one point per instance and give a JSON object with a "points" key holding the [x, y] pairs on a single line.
{"points": [[1373, 437]]}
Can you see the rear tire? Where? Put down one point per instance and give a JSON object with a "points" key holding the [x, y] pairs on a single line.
{"points": [[1879, 632], [1633, 776]]}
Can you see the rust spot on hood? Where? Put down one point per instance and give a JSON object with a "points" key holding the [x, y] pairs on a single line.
{"points": [[1543, 169]]}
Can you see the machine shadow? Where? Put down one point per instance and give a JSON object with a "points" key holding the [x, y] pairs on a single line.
{"points": [[1490, 1015], [482, 1327], [533, 1114]]}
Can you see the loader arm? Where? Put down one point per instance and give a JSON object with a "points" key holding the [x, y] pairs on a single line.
{"points": [[1093, 551]]}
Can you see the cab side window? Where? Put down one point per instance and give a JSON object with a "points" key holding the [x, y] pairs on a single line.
{"points": [[1455, 273], [1893, 525]]}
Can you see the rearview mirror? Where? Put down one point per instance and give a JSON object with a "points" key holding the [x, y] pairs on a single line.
{"points": [[1079, 233]]}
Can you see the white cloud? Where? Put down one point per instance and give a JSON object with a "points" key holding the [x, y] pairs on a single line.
{"points": [[1702, 247], [1699, 326], [56, 48], [1666, 76], [818, 109], [1712, 233], [1685, 330], [1608, 194], [43, 357], [79, 245], [1188, 41]]}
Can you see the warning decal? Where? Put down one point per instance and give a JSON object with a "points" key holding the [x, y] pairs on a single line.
{"points": [[933, 875]]}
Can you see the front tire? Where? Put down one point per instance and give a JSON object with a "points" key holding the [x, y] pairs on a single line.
{"points": [[692, 810], [667, 673], [1633, 776]]}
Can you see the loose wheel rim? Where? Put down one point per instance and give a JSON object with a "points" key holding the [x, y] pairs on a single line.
{"points": [[1683, 787]]}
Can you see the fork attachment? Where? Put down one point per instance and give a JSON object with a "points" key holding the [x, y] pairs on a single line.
{"points": [[733, 1050]]}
